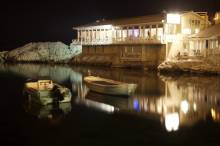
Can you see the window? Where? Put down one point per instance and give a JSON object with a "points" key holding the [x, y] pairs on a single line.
{"points": [[194, 23]]}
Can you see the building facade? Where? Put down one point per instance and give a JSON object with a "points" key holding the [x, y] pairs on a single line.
{"points": [[206, 44], [144, 41]]}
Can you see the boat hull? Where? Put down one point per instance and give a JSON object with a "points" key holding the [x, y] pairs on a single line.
{"points": [[123, 89], [45, 97]]}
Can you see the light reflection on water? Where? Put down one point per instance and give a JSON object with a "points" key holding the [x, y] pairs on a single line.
{"points": [[174, 101]]}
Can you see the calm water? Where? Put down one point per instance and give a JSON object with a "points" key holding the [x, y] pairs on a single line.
{"points": [[180, 110]]}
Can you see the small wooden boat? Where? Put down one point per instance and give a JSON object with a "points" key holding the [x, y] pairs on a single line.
{"points": [[107, 86], [46, 92]]}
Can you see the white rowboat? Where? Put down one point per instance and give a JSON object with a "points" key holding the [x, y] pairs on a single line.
{"points": [[111, 87]]}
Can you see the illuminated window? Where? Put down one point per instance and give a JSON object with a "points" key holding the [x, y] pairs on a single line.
{"points": [[136, 32], [173, 18], [130, 33], [186, 31], [171, 29], [153, 32], [124, 33], [194, 23]]}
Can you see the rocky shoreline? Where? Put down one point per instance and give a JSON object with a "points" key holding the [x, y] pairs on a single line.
{"points": [[188, 66], [42, 52], [58, 52]]}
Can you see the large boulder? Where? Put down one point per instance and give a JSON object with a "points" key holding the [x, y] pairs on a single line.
{"points": [[2, 56], [56, 52]]}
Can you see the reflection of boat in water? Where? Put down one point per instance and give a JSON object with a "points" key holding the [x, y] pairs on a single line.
{"points": [[46, 92], [105, 103], [111, 87], [49, 111]]}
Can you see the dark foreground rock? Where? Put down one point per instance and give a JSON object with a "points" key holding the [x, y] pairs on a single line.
{"points": [[48, 52]]}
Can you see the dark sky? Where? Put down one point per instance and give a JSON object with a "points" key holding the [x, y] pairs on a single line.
{"points": [[31, 20]]}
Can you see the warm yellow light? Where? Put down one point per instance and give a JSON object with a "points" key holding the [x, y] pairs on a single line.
{"points": [[173, 18], [172, 122], [184, 106], [107, 26], [196, 30], [194, 106], [213, 113], [186, 31]]}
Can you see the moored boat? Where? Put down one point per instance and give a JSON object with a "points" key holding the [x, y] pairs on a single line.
{"points": [[46, 92], [111, 87]]}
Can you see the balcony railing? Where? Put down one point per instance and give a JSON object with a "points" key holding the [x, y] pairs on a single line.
{"points": [[120, 41]]}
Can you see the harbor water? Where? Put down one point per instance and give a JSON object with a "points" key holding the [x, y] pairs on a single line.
{"points": [[164, 110]]}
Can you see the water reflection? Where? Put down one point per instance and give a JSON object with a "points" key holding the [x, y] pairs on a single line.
{"points": [[54, 113], [174, 101]]}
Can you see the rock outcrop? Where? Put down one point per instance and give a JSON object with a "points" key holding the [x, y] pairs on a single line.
{"points": [[189, 66], [2, 56], [48, 52]]}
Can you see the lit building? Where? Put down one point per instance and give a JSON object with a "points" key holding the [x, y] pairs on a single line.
{"points": [[144, 41], [217, 18], [206, 44]]}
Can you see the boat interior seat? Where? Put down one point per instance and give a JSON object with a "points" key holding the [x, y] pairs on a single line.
{"points": [[45, 85]]}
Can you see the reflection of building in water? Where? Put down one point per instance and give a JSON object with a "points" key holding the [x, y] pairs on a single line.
{"points": [[190, 99], [163, 98], [148, 83], [184, 102]]}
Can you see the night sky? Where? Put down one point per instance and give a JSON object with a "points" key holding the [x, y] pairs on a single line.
{"points": [[26, 21]]}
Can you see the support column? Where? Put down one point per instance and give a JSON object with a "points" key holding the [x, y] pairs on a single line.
{"points": [[127, 31], [140, 35], [106, 35], [157, 32], [101, 35], [144, 31], [133, 32], [113, 34], [86, 35], [96, 35], [121, 33], [78, 35], [92, 35], [150, 31], [83, 36], [116, 34], [89, 36]]}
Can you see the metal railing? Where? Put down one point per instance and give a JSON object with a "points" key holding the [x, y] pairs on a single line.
{"points": [[120, 41]]}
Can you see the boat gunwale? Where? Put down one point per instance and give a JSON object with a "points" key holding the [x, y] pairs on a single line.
{"points": [[117, 83], [38, 90]]}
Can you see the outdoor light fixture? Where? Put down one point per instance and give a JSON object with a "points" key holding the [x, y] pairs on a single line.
{"points": [[196, 30], [173, 18]]}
